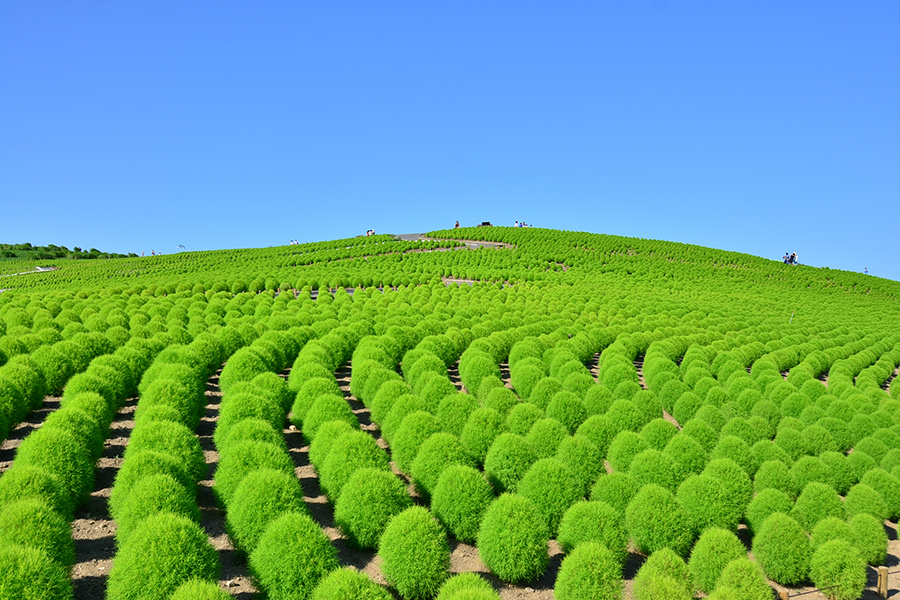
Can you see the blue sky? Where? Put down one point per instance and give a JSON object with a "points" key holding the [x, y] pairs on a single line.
{"points": [[758, 127]]}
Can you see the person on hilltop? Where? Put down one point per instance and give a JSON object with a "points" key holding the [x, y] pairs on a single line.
{"points": [[517, 224], [456, 226], [794, 260]]}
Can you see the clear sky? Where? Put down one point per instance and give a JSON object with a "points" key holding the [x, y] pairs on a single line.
{"points": [[760, 127]]}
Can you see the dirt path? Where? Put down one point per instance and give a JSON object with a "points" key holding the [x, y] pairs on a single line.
{"points": [[33, 421]]}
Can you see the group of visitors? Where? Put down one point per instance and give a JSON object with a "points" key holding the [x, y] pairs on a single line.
{"points": [[522, 224], [790, 259], [295, 243], [370, 232]]}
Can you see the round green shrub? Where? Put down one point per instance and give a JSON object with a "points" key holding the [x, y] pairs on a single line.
{"points": [[20, 482], [782, 549], [710, 415], [868, 535], [412, 433], [403, 407], [252, 429], [170, 438], [349, 452], [151, 495], [501, 399], [60, 453], [32, 522], [600, 430], [626, 416], [348, 584], [507, 460], [261, 497], [553, 489], [249, 404], [860, 463], [82, 426], [594, 522], [197, 589], [655, 520], [816, 502], [745, 579], [706, 503], [30, 574], [702, 432], [460, 499], [624, 447], [766, 503], [414, 553], [837, 565], [653, 466], [615, 489], [141, 465], [545, 436], [736, 449], [831, 528], [368, 501], [292, 557], [186, 399], [658, 433], [480, 431], [385, 398], [435, 454], [568, 409], [454, 411], [688, 453], [164, 551], [658, 570], [887, 485], [715, 548], [327, 408], [582, 458], [590, 572], [92, 404], [325, 436], [467, 586], [808, 469], [733, 481], [873, 447], [766, 450], [863, 499], [244, 458], [512, 540], [774, 474], [598, 399], [522, 417]]}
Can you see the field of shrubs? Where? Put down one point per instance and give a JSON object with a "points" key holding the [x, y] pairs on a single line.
{"points": [[592, 417]]}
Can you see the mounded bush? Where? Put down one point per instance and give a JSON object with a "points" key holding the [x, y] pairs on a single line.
{"points": [[61, 454], [782, 549], [414, 553], [241, 460], [415, 429], [435, 454], [370, 498], [251, 429], [864, 499], [453, 412], [837, 566], [736, 449], [197, 589], [545, 436], [326, 408], [734, 482], [598, 399], [165, 551], [688, 453], [32, 522], [30, 574], [261, 497], [187, 400], [151, 495], [552, 487], [348, 584], [715, 548], [349, 452], [522, 417], [460, 499], [744, 579], [831, 528], [600, 430], [141, 465], [590, 572], [868, 535], [403, 407], [655, 520], [887, 485], [292, 557], [580, 455], [170, 438], [615, 489], [467, 586], [658, 433], [624, 447], [82, 426], [594, 522], [658, 572], [706, 503], [702, 432], [507, 460], [653, 466], [568, 409], [321, 446], [808, 469], [766, 503], [480, 431], [774, 474], [816, 502], [21, 482], [500, 398], [512, 540]]}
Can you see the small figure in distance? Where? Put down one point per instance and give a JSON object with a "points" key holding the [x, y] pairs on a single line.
{"points": [[785, 258], [456, 226], [866, 270], [517, 224]]}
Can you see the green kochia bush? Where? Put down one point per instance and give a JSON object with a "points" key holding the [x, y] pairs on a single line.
{"points": [[764, 504], [868, 535], [467, 586], [512, 540], [706, 503], [292, 557], [782, 549], [624, 448], [863, 499], [711, 554], [615, 489], [151, 495], [349, 452], [480, 431], [583, 459], [321, 446], [32, 522], [552, 487], [460, 499], [369, 499], [545, 436], [837, 565], [30, 574], [326, 408], [197, 589], [139, 466], [171, 438], [655, 520], [816, 502], [594, 522], [244, 458], [21, 482], [260, 498], [522, 417], [435, 454], [61, 454], [348, 584], [745, 580], [412, 433], [163, 552], [414, 552], [663, 575], [507, 460], [590, 572], [251, 429], [653, 466]]}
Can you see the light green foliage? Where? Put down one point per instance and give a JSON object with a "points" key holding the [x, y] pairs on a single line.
{"points": [[197, 589], [713, 551], [467, 586], [593, 522], [590, 572], [414, 552], [624, 448], [439, 451], [744, 579], [838, 566], [368, 501], [261, 497], [655, 520], [782, 549], [32, 522], [553, 489], [480, 431], [507, 460], [583, 459], [816, 502], [545, 436], [767, 502], [151, 495], [348, 584], [512, 540], [31, 574], [615, 489], [657, 574], [869, 537], [244, 458], [460, 499], [349, 452]]}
